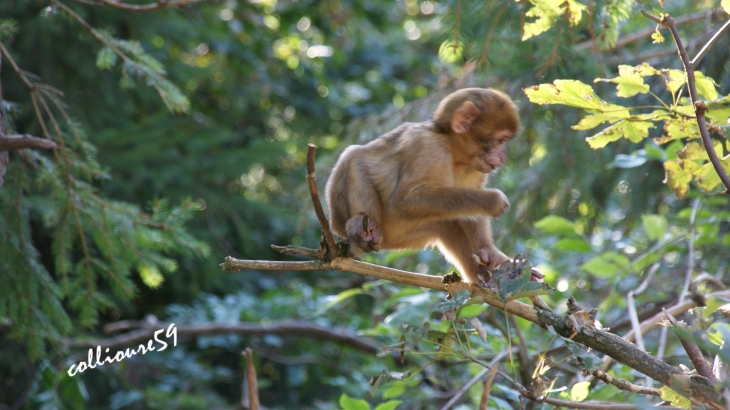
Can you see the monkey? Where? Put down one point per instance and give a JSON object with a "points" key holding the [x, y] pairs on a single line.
{"points": [[424, 184]]}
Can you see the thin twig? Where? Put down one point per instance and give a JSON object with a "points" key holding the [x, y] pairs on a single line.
{"points": [[625, 385], [700, 108], [323, 222], [253, 391], [690, 250], [491, 367], [632, 306], [487, 388], [701, 54]]}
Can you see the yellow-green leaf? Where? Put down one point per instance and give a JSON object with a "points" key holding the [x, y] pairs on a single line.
{"points": [[678, 175], [657, 37], [676, 399], [706, 176], [630, 82], [106, 59], [547, 12], [674, 79], [705, 86], [579, 391], [569, 92], [725, 6], [634, 131], [151, 275], [606, 264], [678, 128], [593, 120]]}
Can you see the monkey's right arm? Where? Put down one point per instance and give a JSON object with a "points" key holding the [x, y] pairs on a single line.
{"points": [[351, 195]]}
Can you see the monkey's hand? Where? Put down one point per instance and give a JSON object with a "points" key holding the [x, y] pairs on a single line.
{"points": [[489, 258], [497, 203], [366, 240]]}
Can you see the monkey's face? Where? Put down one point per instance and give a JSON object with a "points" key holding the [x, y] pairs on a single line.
{"points": [[491, 151]]}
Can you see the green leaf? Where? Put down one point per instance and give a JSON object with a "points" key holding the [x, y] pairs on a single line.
{"points": [[654, 225], [388, 405], [572, 245], [393, 391], [634, 131], [512, 281], [471, 311], [712, 304], [459, 298], [717, 333], [333, 300], [555, 225], [106, 58], [579, 391], [606, 265], [676, 399], [348, 403]]}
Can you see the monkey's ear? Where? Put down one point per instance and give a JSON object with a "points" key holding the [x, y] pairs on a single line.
{"points": [[463, 117]]}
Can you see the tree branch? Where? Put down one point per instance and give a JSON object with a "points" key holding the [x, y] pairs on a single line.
{"points": [[625, 385], [16, 142], [693, 351], [329, 239], [287, 328], [701, 54], [700, 109], [162, 4]]}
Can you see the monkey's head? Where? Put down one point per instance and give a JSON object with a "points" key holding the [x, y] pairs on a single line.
{"points": [[482, 120]]}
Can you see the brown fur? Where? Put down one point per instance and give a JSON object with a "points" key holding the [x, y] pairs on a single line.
{"points": [[423, 184]]}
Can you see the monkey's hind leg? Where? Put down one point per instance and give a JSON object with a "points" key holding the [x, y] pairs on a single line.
{"points": [[351, 195], [458, 249]]}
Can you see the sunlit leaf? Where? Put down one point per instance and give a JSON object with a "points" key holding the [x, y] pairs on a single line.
{"points": [[674, 79], [547, 12], [678, 128], [717, 333], [634, 131], [569, 92], [579, 391], [630, 82], [593, 120]]}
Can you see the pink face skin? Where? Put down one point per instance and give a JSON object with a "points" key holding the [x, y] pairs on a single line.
{"points": [[494, 153]]}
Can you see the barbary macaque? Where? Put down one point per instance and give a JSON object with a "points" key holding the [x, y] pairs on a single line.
{"points": [[424, 184]]}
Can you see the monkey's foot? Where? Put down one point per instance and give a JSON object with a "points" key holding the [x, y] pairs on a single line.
{"points": [[366, 240]]}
